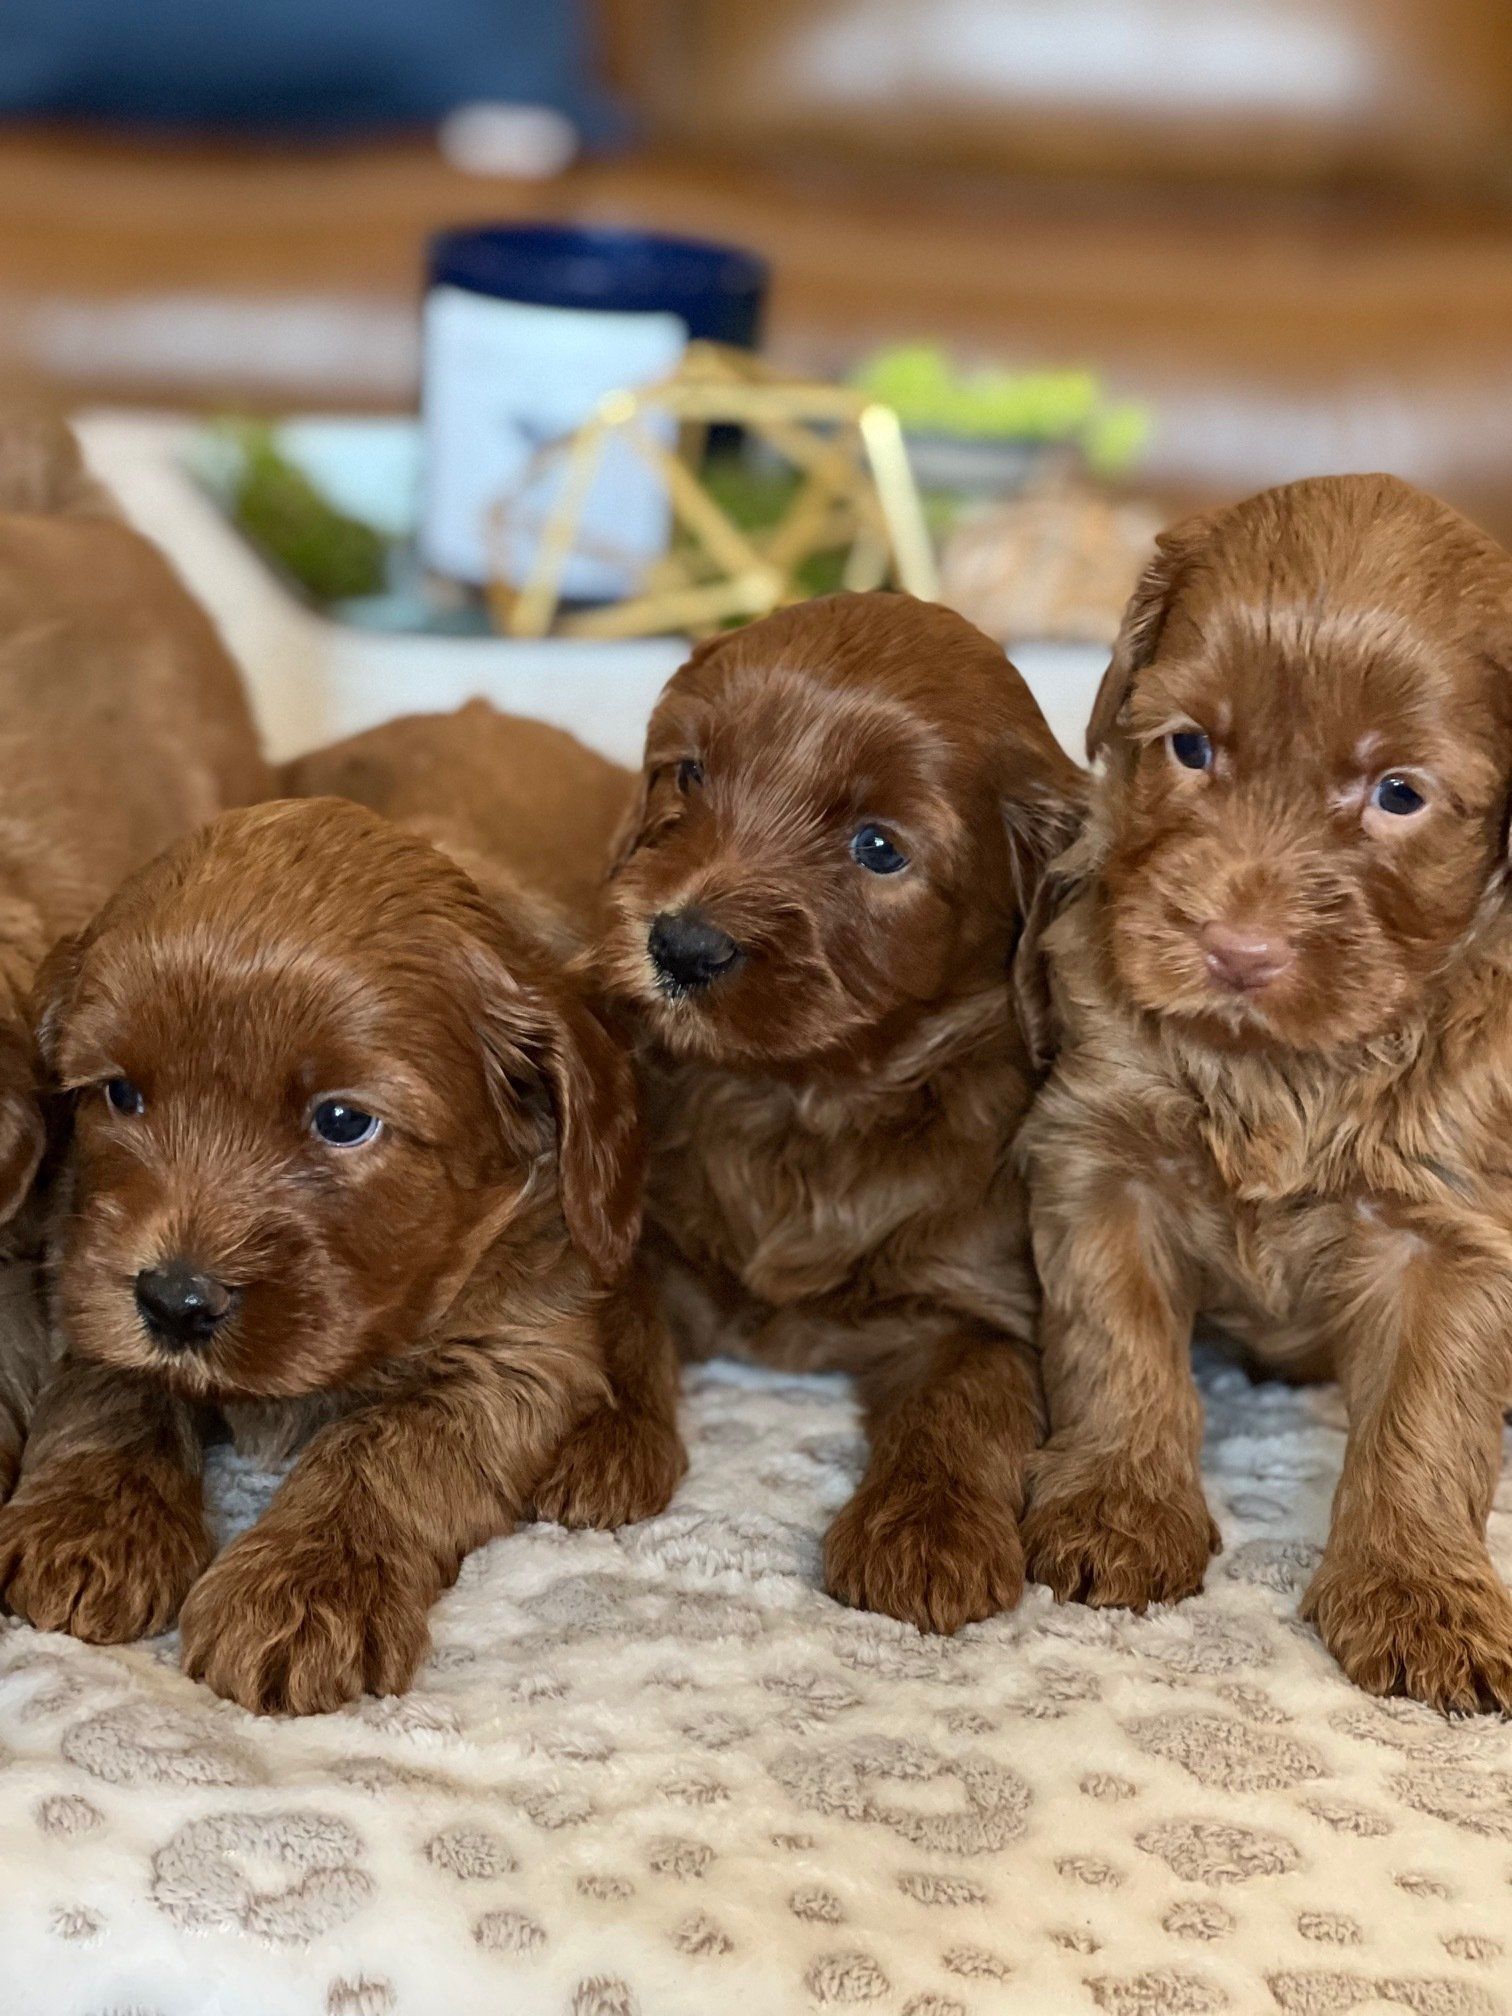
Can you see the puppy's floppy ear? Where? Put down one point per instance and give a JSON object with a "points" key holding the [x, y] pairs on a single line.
{"points": [[1143, 620], [27, 1053], [52, 995], [628, 833], [1041, 828], [23, 1134], [1044, 803], [539, 1031], [1032, 983], [1043, 815]]}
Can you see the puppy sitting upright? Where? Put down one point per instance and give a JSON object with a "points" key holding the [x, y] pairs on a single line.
{"points": [[843, 811], [1283, 973], [352, 1167]]}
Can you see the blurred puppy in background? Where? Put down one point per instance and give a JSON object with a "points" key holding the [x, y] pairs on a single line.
{"points": [[355, 1171], [519, 793], [122, 726], [844, 812], [1282, 977]]}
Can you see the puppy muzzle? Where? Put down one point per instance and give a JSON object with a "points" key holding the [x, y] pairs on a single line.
{"points": [[180, 1307], [689, 951]]}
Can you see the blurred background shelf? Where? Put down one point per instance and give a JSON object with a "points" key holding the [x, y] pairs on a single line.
{"points": [[312, 679], [1294, 244]]}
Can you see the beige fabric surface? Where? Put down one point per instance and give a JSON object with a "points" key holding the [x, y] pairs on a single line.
{"points": [[660, 1773]]}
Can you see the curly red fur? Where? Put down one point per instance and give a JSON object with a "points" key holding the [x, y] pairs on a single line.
{"points": [[1312, 1156], [423, 1319], [122, 726], [831, 1118]]}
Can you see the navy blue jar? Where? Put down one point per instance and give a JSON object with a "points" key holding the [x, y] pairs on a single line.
{"points": [[527, 327]]}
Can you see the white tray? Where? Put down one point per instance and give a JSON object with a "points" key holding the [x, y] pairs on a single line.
{"points": [[313, 680]]}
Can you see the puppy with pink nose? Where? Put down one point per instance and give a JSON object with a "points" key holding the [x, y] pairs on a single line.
{"points": [[1280, 970]]}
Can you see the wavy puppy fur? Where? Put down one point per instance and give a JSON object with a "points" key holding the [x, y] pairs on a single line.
{"points": [[1281, 970], [527, 803], [122, 726], [843, 811], [423, 1313]]}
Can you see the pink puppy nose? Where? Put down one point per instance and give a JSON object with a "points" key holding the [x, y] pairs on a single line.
{"points": [[1242, 957]]}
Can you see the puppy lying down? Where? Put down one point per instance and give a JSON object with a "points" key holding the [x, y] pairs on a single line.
{"points": [[353, 1171], [1282, 973]]}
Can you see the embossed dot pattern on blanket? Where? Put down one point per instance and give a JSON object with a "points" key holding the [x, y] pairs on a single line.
{"points": [[659, 1774]]}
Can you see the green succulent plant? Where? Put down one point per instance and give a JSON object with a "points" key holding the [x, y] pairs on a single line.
{"points": [[932, 395], [335, 557]]}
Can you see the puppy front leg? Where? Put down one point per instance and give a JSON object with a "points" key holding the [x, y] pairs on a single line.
{"points": [[622, 1461], [931, 1535], [328, 1595], [106, 1532], [1406, 1596], [1116, 1513]]}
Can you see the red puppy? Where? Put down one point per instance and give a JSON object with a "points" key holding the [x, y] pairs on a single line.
{"points": [[1283, 971], [354, 1170], [122, 725], [842, 817]]}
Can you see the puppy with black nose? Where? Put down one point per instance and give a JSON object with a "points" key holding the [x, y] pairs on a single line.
{"points": [[688, 951], [354, 1172], [843, 813], [182, 1309]]}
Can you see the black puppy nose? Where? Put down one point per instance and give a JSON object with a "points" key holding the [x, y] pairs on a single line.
{"points": [[182, 1309], [687, 950]]}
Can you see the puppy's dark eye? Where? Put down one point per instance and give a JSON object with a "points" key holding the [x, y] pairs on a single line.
{"points": [[124, 1097], [344, 1126], [1395, 794], [689, 775], [1192, 749], [872, 849]]}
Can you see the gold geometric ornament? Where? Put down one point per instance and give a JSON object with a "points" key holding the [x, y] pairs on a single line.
{"points": [[854, 495]]}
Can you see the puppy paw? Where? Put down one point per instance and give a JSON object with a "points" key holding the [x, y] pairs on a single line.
{"points": [[292, 1623], [619, 1465], [1442, 1635], [1114, 1540], [936, 1560], [103, 1553]]}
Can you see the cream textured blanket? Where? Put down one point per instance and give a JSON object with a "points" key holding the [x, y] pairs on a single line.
{"points": [[661, 1773]]}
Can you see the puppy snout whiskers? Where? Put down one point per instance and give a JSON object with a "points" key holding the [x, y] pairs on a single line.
{"points": [[1244, 957], [181, 1307], [689, 951]]}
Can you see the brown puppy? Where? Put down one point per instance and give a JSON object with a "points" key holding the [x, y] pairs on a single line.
{"points": [[526, 795], [352, 1167], [520, 799], [1283, 974], [843, 810], [122, 726]]}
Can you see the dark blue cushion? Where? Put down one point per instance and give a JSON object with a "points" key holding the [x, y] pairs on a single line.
{"points": [[314, 64]]}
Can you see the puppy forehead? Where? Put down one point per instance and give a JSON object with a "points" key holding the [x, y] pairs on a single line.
{"points": [[1319, 670], [216, 1005], [785, 726], [280, 943]]}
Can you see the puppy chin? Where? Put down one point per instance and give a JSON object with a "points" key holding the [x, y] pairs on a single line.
{"points": [[748, 1022], [698, 1027]]}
